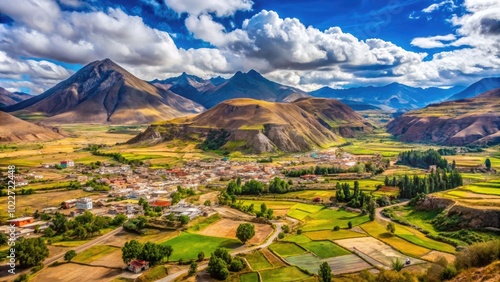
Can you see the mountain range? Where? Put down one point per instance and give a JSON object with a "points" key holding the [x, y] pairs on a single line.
{"points": [[391, 96], [477, 88], [8, 98], [474, 121], [103, 92], [259, 126], [211, 92]]}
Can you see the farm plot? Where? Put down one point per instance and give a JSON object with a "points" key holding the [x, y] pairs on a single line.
{"points": [[374, 249], [76, 272], [324, 249], [347, 264], [274, 260], [249, 277], [327, 219], [197, 243], [279, 207], [301, 211], [258, 261], [378, 231], [285, 274], [333, 235], [286, 249], [227, 228], [308, 262], [95, 253]]}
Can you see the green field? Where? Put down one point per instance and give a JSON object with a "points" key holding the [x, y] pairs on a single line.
{"points": [[94, 253], [249, 277], [489, 188], [286, 249], [258, 261], [324, 249], [328, 218], [308, 262], [187, 245], [333, 235], [297, 239], [284, 274]]}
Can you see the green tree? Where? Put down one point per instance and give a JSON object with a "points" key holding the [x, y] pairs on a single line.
{"points": [[325, 272], [336, 228], [391, 227], [223, 254], [168, 250], [487, 163], [237, 264], [119, 219], [184, 219], [80, 232], [207, 203], [49, 232], [349, 224], [31, 252], [201, 256], [193, 268], [152, 252], [69, 255], [245, 232], [263, 208], [371, 209], [131, 251], [60, 223], [217, 268], [286, 229], [3, 239]]}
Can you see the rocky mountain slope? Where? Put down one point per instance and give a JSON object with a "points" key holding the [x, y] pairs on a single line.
{"points": [[16, 130], [391, 96], [103, 92], [8, 98], [259, 126], [455, 123], [242, 85], [477, 88]]}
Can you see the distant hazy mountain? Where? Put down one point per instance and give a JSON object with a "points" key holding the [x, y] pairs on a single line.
{"points": [[456, 123], [16, 130], [259, 126], [477, 88], [242, 85], [8, 98], [104, 92], [394, 95]]}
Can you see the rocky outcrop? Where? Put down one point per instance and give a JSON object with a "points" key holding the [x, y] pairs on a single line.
{"points": [[257, 126]]}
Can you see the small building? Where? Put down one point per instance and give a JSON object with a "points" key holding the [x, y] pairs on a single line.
{"points": [[66, 164], [137, 265], [160, 203], [68, 204], [21, 221], [84, 204]]}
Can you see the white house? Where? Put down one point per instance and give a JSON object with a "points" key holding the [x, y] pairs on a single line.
{"points": [[84, 204]]}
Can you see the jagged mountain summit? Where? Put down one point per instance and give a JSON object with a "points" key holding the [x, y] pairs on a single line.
{"points": [[103, 92], [474, 121], [242, 85], [259, 126]]}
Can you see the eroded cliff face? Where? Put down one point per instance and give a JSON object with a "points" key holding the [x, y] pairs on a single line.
{"points": [[469, 217]]}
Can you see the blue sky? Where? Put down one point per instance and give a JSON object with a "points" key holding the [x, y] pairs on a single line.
{"points": [[307, 44]]}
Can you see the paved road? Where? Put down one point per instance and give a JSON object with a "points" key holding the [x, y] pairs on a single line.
{"points": [[85, 246], [240, 250]]}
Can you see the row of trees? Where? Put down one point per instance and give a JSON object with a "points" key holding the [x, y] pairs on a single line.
{"points": [[82, 226], [356, 198], [325, 170], [436, 181], [422, 159], [151, 252]]}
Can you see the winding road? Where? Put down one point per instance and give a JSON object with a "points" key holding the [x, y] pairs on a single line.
{"points": [[378, 211], [240, 250]]}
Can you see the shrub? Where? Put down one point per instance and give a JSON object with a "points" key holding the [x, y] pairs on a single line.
{"points": [[237, 264], [281, 235], [336, 228], [478, 255], [299, 231], [397, 265]]}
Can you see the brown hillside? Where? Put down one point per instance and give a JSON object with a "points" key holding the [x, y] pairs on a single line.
{"points": [[455, 123], [490, 273], [7, 98], [262, 126], [103, 92], [16, 130]]}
